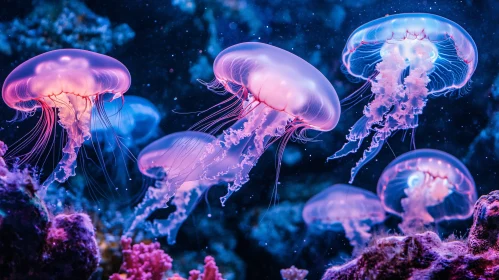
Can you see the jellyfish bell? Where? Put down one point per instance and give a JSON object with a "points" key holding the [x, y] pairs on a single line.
{"points": [[171, 163], [345, 207], [427, 186], [276, 94], [406, 58], [68, 82]]}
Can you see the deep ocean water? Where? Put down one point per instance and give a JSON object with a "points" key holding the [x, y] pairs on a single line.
{"points": [[168, 46]]}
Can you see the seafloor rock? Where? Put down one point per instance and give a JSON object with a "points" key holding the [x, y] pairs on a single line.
{"points": [[32, 246], [425, 256]]}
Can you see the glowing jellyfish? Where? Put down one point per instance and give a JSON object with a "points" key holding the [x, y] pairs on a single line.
{"points": [[406, 58], [276, 95], [171, 161], [425, 186], [135, 121], [344, 207], [68, 83]]}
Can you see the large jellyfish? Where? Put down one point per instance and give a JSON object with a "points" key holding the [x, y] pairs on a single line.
{"points": [[66, 83], [170, 161], [425, 186], [344, 207], [276, 95], [405, 58], [135, 120]]}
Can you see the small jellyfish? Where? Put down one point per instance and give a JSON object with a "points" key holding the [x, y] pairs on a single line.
{"points": [[406, 58], [275, 95], [65, 84], [344, 207], [135, 120], [425, 186], [171, 161]]}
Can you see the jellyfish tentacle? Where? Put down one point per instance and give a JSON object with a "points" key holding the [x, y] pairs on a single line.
{"points": [[358, 234]]}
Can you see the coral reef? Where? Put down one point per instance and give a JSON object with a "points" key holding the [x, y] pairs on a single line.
{"points": [[294, 273], [426, 256], [31, 244], [61, 24]]}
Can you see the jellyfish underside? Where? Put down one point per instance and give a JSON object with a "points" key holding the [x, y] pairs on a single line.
{"points": [[398, 99]]}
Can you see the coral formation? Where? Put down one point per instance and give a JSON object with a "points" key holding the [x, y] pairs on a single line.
{"points": [[293, 273], [31, 244], [426, 256]]}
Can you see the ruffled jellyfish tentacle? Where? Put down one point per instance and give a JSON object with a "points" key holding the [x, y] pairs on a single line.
{"points": [[74, 116], [358, 234], [185, 201], [237, 150]]}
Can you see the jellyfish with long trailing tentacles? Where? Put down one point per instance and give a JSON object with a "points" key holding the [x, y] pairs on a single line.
{"points": [[427, 186], [406, 58], [276, 95], [345, 207], [65, 84], [171, 163]]}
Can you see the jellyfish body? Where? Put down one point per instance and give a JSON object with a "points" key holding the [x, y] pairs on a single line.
{"points": [[344, 207], [276, 95], [425, 186], [406, 58], [68, 82], [135, 120], [171, 162]]}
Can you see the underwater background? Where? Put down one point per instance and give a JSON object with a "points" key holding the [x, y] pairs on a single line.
{"points": [[168, 45]]}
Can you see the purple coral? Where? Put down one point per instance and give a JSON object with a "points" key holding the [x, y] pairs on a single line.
{"points": [[210, 271], [425, 256], [293, 273], [143, 261]]}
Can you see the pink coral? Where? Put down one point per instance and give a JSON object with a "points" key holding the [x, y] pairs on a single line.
{"points": [[143, 261], [293, 273]]}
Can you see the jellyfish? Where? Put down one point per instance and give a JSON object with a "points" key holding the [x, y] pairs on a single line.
{"points": [[406, 58], [169, 161], [135, 121], [65, 84], [275, 95], [426, 186], [345, 207]]}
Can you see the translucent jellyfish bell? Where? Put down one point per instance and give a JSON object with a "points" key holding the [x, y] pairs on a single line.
{"points": [[425, 186], [344, 207], [171, 162], [68, 82], [135, 119], [276, 94], [405, 58]]}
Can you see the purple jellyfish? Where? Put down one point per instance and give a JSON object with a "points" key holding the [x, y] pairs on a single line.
{"points": [[66, 83], [344, 207], [171, 162], [276, 95], [405, 58], [425, 186]]}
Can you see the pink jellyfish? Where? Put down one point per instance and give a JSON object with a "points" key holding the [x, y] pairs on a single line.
{"points": [[171, 162], [66, 83], [405, 58], [276, 95], [345, 208], [425, 186]]}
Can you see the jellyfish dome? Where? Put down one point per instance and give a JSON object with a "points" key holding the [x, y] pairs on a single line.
{"points": [[67, 84], [275, 95], [135, 119], [171, 162], [425, 186], [405, 58], [345, 207]]}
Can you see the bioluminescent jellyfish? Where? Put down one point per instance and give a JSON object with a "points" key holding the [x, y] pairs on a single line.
{"points": [[65, 84], [171, 163], [406, 58], [344, 207], [276, 95], [135, 120], [425, 186]]}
